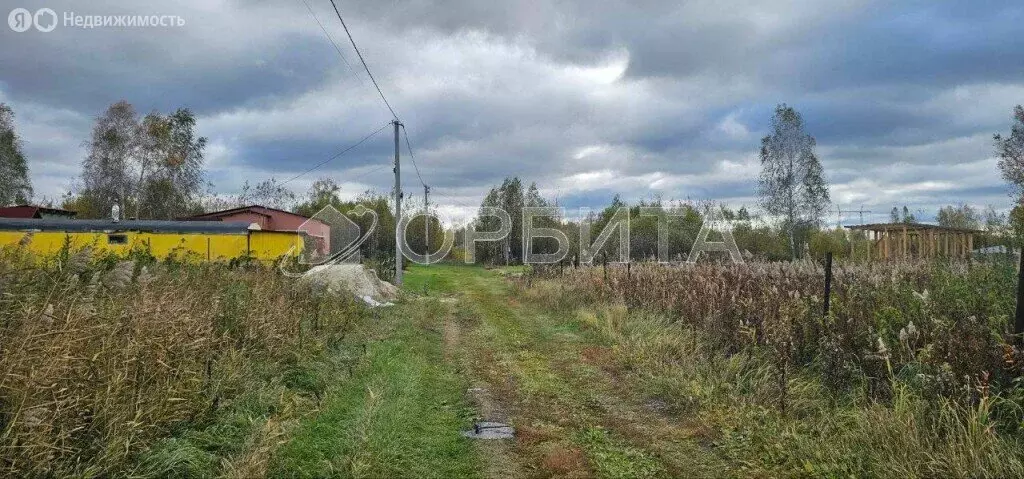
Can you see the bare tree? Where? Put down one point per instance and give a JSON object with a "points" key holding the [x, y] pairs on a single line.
{"points": [[267, 193], [792, 183], [15, 186]]}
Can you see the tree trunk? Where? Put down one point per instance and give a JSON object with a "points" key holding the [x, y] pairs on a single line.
{"points": [[792, 240], [792, 207], [791, 217]]}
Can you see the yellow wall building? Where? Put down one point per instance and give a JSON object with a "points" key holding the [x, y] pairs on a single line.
{"points": [[195, 241]]}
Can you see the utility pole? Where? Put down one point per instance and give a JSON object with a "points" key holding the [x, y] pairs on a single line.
{"points": [[426, 222], [398, 208]]}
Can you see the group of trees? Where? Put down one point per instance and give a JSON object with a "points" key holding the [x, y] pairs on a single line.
{"points": [[269, 193], [792, 187], [680, 220], [794, 197], [511, 196], [380, 245], [960, 215], [151, 167], [906, 217]]}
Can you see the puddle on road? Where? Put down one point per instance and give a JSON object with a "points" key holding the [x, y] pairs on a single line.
{"points": [[490, 430]]}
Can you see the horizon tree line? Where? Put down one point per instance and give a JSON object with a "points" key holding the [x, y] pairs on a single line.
{"points": [[153, 166]]}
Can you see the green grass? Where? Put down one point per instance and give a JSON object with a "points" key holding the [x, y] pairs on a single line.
{"points": [[614, 460], [384, 404], [574, 416], [637, 395], [438, 279], [400, 413]]}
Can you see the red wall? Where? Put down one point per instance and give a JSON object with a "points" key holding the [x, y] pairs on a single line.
{"points": [[272, 220], [248, 217], [315, 228]]}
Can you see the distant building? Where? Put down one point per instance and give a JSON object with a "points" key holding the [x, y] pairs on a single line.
{"points": [[915, 240], [191, 241], [272, 219], [997, 249], [36, 212]]}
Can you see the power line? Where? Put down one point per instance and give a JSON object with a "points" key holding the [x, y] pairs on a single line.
{"points": [[411, 156], [342, 152], [358, 53], [378, 168], [352, 71], [453, 200], [337, 48], [471, 211]]}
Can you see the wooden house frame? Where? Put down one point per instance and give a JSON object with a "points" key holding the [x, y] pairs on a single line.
{"points": [[904, 241]]}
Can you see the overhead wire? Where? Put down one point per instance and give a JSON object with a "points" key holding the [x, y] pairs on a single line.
{"points": [[362, 60], [360, 55], [453, 200], [337, 155], [378, 168], [330, 38], [412, 157]]}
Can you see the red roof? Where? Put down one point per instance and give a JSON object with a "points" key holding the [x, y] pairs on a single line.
{"points": [[250, 209], [29, 211]]}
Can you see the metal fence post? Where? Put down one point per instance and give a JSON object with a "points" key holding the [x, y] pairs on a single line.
{"points": [[828, 282], [1018, 323]]}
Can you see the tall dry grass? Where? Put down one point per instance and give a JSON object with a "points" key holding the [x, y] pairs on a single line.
{"points": [[99, 359], [945, 327], [779, 390]]}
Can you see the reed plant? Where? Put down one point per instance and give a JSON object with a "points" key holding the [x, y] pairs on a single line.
{"points": [[104, 358]]}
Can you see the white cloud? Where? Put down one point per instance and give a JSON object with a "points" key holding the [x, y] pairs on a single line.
{"points": [[731, 127]]}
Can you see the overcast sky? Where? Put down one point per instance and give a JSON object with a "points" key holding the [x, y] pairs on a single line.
{"points": [[587, 98]]}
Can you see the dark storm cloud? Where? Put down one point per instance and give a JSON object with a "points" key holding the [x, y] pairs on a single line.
{"points": [[587, 98], [924, 44], [198, 65]]}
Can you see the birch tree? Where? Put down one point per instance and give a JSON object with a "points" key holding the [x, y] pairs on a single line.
{"points": [[511, 194], [152, 168], [15, 186], [107, 172], [173, 156], [792, 183]]}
